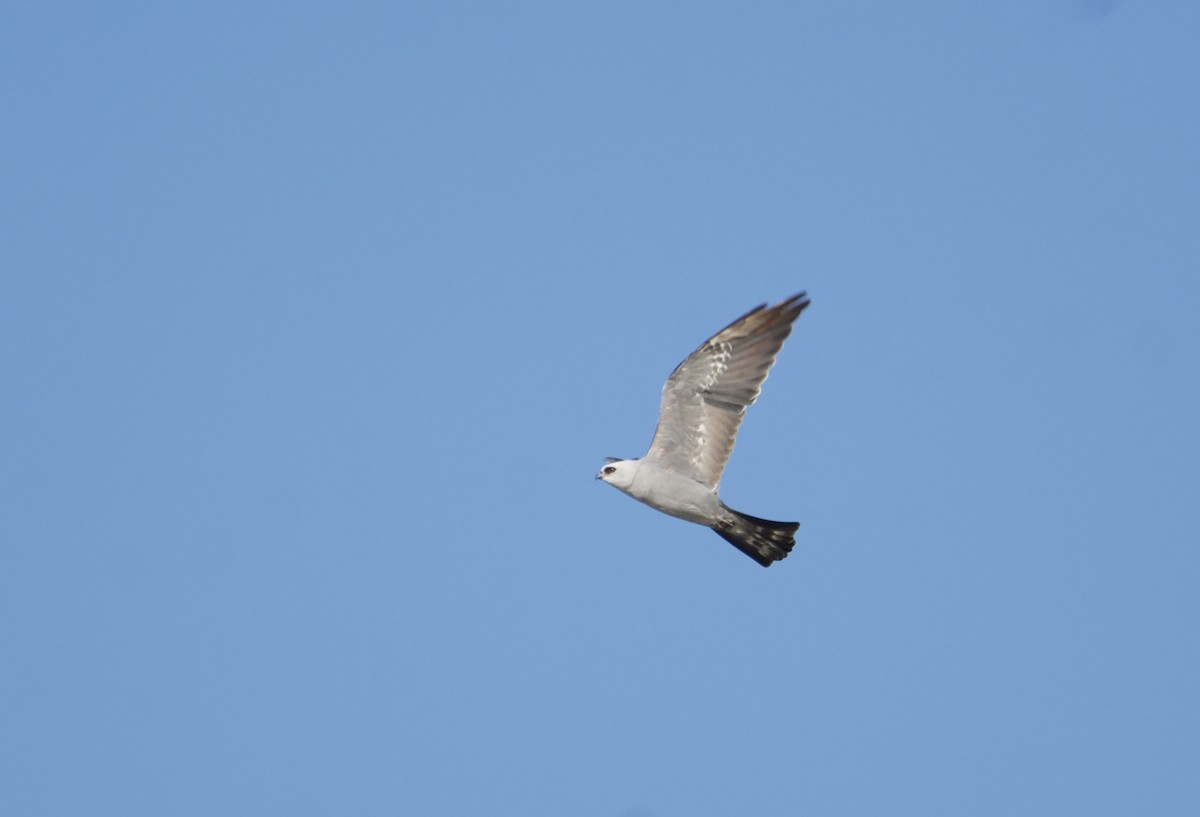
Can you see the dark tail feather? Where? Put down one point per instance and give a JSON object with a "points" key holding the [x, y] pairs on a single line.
{"points": [[763, 541]]}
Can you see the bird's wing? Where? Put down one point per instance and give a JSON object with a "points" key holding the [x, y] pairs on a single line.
{"points": [[705, 397]]}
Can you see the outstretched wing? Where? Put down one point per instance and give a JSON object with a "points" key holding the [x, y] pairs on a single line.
{"points": [[705, 397]]}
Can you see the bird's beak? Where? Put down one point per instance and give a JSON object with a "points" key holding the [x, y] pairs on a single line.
{"points": [[597, 476]]}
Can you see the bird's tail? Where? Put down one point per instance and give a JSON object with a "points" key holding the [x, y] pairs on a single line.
{"points": [[763, 541]]}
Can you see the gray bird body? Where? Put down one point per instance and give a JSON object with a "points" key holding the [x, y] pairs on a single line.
{"points": [[703, 402]]}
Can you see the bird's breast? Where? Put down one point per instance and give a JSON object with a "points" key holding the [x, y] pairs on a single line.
{"points": [[676, 495]]}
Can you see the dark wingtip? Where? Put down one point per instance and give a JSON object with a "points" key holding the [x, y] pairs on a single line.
{"points": [[785, 312], [797, 303]]}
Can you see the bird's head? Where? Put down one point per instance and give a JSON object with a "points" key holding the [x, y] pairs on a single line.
{"points": [[619, 473]]}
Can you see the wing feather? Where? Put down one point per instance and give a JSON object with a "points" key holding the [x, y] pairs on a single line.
{"points": [[705, 398]]}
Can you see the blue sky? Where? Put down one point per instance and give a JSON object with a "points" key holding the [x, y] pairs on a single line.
{"points": [[318, 320]]}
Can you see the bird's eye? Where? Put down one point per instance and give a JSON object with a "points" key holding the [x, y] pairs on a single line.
{"points": [[608, 469]]}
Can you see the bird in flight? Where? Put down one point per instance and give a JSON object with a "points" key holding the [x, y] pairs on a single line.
{"points": [[703, 402]]}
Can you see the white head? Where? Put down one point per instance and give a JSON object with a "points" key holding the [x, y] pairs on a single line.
{"points": [[619, 473]]}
